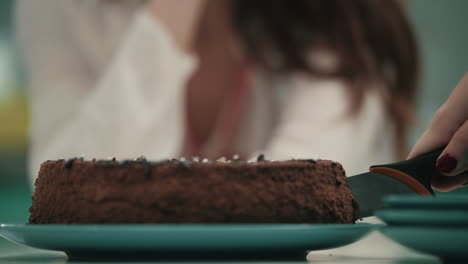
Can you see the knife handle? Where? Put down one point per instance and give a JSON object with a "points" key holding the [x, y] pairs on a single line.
{"points": [[416, 172]]}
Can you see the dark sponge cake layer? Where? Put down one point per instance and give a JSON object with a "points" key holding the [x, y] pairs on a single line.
{"points": [[171, 191]]}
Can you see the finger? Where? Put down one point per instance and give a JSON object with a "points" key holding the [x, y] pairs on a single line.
{"points": [[453, 160], [429, 141], [440, 131], [446, 121], [457, 100], [444, 183]]}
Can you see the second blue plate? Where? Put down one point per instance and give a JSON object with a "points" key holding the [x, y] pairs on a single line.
{"points": [[419, 217], [427, 202]]}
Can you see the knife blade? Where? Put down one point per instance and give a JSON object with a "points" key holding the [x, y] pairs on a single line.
{"points": [[405, 177]]}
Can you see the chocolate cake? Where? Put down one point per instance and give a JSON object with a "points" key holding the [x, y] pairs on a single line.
{"points": [[77, 191]]}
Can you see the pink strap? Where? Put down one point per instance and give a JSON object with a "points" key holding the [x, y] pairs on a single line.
{"points": [[230, 121], [192, 145], [236, 106]]}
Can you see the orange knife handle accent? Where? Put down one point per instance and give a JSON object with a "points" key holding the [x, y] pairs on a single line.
{"points": [[405, 178], [416, 173]]}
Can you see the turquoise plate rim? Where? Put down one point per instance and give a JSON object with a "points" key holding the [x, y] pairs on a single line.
{"points": [[426, 202], [185, 237], [436, 217], [190, 226]]}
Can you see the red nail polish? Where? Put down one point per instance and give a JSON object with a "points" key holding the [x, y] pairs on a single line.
{"points": [[446, 163]]}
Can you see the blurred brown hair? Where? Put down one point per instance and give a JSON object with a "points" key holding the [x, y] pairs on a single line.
{"points": [[372, 39]]}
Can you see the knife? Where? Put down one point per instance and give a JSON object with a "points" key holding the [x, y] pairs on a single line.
{"points": [[405, 177]]}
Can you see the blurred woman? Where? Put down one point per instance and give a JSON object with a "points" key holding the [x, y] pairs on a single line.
{"points": [[290, 79]]}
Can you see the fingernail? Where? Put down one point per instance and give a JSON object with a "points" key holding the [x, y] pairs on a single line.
{"points": [[446, 163]]}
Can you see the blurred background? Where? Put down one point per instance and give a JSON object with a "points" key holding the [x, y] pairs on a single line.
{"points": [[439, 25]]}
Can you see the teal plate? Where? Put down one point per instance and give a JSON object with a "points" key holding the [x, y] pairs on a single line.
{"points": [[96, 241], [450, 243], [424, 217], [427, 202]]}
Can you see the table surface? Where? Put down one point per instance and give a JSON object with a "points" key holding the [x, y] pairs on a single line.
{"points": [[374, 248]]}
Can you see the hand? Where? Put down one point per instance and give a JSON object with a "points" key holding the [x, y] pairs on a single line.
{"points": [[449, 127], [181, 18]]}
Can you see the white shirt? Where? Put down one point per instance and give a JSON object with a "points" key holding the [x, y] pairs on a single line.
{"points": [[107, 80]]}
